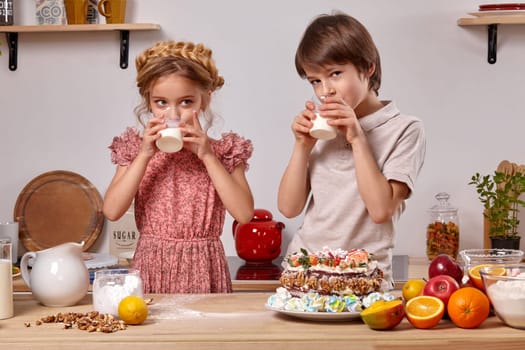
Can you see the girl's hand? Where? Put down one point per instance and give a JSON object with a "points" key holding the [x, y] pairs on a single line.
{"points": [[195, 138], [343, 117], [151, 134], [302, 124]]}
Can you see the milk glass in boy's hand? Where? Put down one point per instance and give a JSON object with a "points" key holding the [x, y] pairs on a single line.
{"points": [[321, 130]]}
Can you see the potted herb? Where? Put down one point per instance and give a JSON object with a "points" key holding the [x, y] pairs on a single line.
{"points": [[499, 193]]}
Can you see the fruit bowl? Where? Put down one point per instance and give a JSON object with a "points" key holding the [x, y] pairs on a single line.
{"points": [[505, 287]]}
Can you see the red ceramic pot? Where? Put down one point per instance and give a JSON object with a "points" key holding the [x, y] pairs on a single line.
{"points": [[259, 241]]}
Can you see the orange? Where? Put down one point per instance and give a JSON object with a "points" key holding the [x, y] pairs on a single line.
{"points": [[475, 276], [412, 288], [133, 310], [424, 311], [468, 307]]}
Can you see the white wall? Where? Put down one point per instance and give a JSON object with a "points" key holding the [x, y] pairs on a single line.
{"points": [[69, 97]]}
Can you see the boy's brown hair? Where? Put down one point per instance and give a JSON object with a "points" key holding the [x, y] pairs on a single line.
{"points": [[339, 39]]}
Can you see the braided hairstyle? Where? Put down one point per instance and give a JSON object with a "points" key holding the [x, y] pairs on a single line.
{"points": [[189, 60]]}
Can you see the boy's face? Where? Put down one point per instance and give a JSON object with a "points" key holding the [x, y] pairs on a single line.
{"points": [[343, 81], [175, 96]]}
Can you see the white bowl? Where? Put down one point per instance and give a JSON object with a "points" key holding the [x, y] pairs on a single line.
{"points": [[128, 256]]}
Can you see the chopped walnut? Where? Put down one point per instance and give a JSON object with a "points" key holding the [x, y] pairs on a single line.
{"points": [[92, 321]]}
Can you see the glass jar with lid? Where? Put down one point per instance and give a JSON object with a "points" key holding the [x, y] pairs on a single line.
{"points": [[443, 228]]}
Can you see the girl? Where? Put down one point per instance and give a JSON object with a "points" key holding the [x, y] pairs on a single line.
{"points": [[180, 198], [358, 181]]}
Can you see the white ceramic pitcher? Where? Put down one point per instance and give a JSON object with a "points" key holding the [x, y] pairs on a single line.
{"points": [[59, 277]]}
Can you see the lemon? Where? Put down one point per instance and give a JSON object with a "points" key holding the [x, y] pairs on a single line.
{"points": [[133, 310], [412, 288]]}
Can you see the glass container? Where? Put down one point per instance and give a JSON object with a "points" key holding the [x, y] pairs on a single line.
{"points": [[112, 285], [443, 228]]}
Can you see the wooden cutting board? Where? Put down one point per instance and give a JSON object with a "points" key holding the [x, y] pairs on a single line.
{"points": [[57, 207]]}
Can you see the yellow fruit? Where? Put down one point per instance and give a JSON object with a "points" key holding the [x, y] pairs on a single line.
{"points": [[424, 311], [384, 314], [133, 310], [475, 276], [412, 288]]}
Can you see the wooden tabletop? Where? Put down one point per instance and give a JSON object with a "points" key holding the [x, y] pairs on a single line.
{"points": [[238, 321]]}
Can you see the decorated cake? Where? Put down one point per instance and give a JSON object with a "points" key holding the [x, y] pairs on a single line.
{"points": [[331, 272]]}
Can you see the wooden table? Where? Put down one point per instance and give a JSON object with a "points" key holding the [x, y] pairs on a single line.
{"points": [[239, 321]]}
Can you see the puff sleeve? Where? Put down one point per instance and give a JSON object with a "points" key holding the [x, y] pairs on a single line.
{"points": [[234, 150], [125, 147]]}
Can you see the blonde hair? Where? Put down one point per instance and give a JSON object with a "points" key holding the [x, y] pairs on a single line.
{"points": [[187, 59]]}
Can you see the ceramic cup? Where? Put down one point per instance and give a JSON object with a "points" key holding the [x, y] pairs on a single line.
{"points": [[76, 11], [113, 10], [321, 130]]}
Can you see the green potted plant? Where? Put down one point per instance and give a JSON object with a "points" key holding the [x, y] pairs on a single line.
{"points": [[500, 195]]}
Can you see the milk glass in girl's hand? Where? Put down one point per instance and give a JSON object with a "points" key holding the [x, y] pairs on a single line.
{"points": [[171, 137]]}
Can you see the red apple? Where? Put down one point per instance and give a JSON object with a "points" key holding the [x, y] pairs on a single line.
{"points": [[444, 264], [441, 286]]}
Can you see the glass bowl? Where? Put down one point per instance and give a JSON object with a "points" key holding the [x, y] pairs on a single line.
{"points": [[505, 287], [473, 257]]}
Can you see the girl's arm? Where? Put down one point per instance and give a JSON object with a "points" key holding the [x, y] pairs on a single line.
{"points": [[233, 189], [123, 187], [126, 181]]}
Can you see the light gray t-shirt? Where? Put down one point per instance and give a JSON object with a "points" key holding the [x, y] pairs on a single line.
{"points": [[336, 216]]}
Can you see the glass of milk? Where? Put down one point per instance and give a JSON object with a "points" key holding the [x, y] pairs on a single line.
{"points": [[6, 279], [321, 130], [171, 137]]}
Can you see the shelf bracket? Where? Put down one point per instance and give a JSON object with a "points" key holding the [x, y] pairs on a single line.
{"points": [[12, 44], [124, 48], [493, 42]]}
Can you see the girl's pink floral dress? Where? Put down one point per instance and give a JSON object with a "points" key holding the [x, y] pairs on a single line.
{"points": [[180, 216]]}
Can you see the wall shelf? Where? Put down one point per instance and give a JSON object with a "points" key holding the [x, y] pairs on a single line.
{"points": [[11, 33], [492, 23]]}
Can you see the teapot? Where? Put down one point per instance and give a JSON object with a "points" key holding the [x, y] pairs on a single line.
{"points": [[59, 277], [258, 241]]}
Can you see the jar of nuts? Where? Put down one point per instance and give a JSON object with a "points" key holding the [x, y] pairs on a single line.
{"points": [[443, 229]]}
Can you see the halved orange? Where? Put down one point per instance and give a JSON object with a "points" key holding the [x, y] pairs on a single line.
{"points": [[475, 276], [424, 311]]}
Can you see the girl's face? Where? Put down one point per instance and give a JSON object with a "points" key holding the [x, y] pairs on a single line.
{"points": [[343, 81], [175, 96]]}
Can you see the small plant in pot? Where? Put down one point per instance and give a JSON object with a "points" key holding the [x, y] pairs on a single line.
{"points": [[500, 195]]}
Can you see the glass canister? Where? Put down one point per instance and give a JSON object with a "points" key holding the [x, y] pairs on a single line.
{"points": [[112, 285], [443, 229]]}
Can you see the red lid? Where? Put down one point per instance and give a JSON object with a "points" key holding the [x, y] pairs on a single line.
{"points": [[503, 7]]}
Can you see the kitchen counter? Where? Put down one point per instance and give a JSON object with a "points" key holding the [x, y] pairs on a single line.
{"points": [[238, 321]]}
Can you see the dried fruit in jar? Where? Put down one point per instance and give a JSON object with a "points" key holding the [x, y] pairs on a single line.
{"points": [[442, 238]]}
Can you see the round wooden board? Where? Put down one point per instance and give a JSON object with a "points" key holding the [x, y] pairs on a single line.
{"points": [[58, 207]]}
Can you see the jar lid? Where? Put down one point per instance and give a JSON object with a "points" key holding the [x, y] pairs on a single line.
{"points": [[443, 205]]}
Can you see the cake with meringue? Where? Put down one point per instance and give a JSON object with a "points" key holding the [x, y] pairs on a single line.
{"points": [[331, 272]]}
